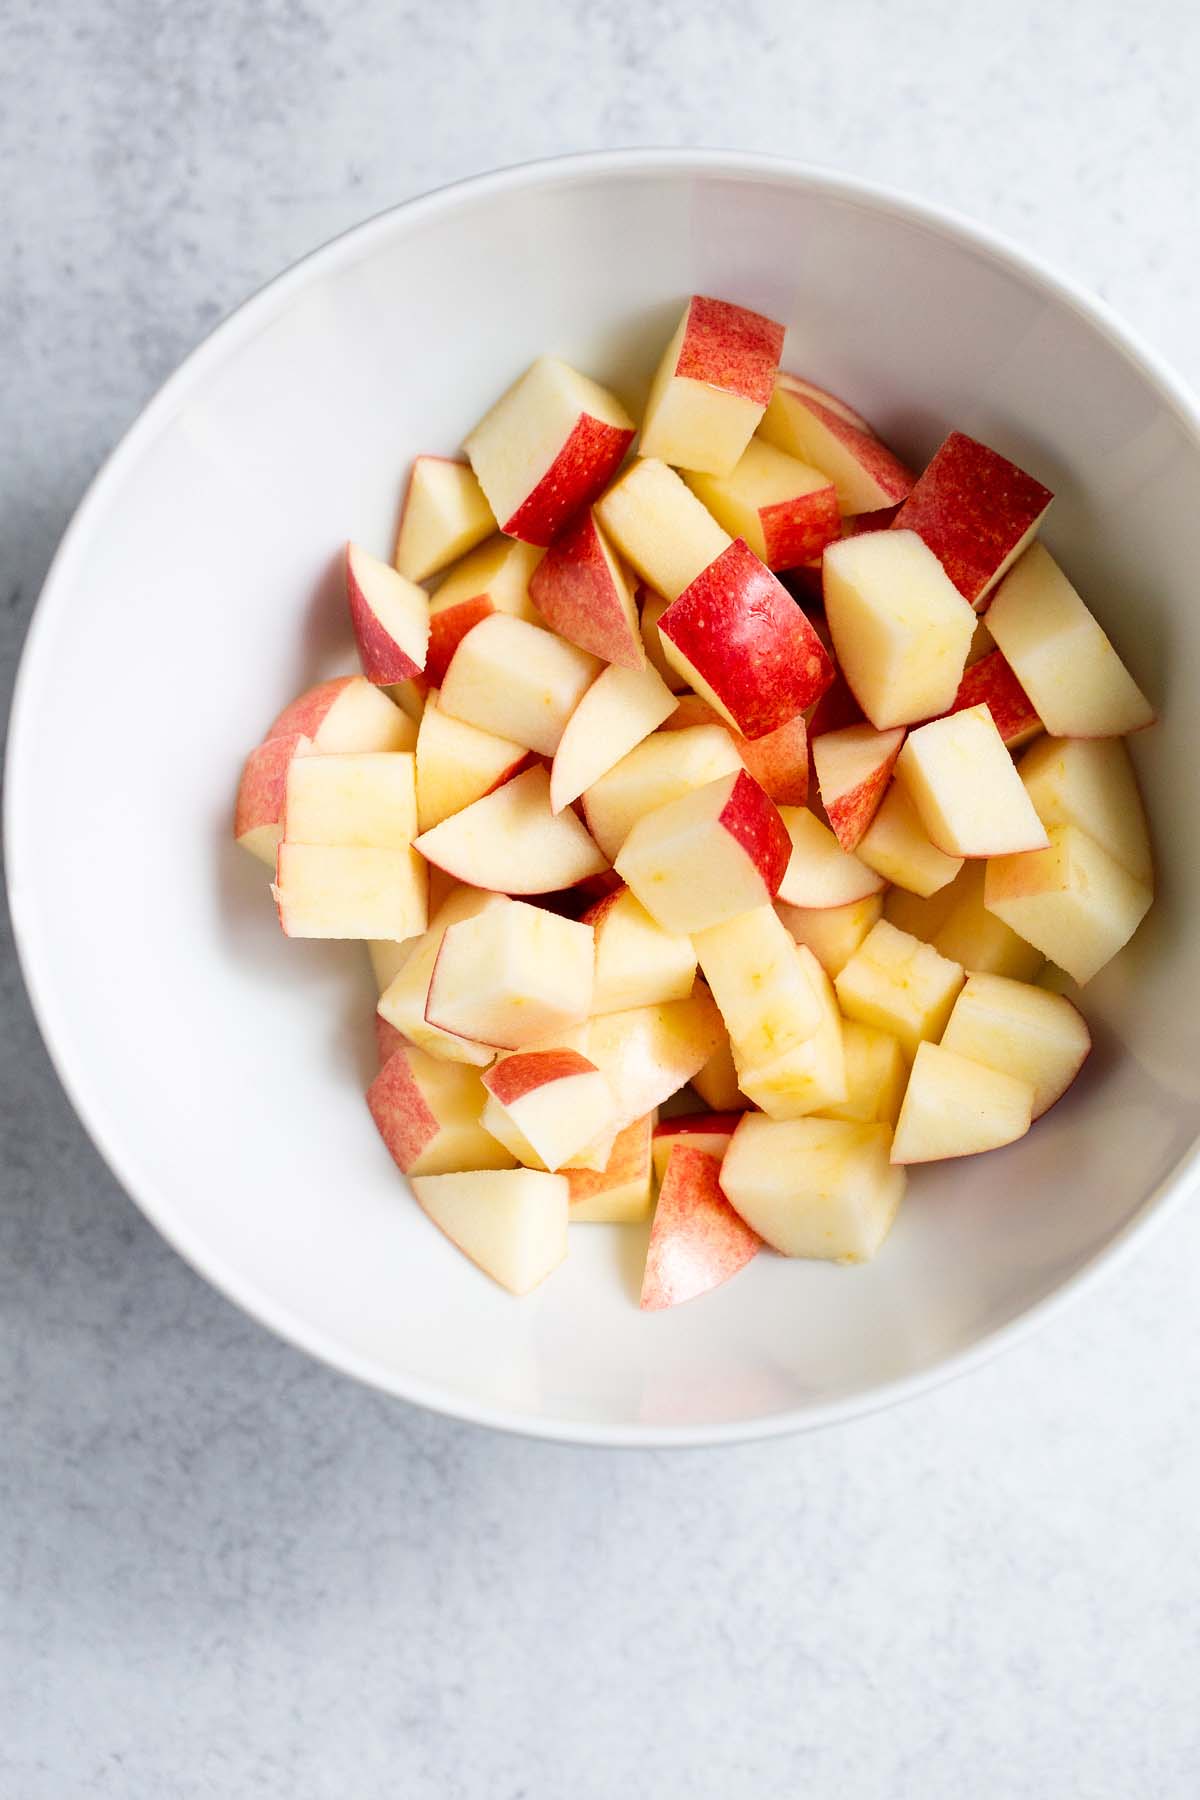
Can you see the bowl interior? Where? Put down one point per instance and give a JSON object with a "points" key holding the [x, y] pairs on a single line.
{"points": [[221, 1068]]}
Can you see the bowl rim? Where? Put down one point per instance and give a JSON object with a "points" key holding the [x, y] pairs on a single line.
{"points": [[237, 326]]}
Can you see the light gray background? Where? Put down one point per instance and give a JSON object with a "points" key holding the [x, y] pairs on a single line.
{"points": [[224, 1571]]}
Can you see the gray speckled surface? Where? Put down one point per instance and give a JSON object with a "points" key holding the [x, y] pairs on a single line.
{"points": [[225, 1571]]}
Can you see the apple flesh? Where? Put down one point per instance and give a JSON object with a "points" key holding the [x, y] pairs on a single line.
{"points": [[620, 709], [807, 422], [584, 594], [832, 933], [897, 847], [428, 1114], [967, 793], [458, 764], [976, 511], [899, 985], [820, 1188], [1072, 901], [663, 767], [650, 1052], [402, 1003], [819, 872], [876, 1076], [712, 854], [1089, 782], [258, 815], [956, 1107], [346, 714], [444, 515], [389, 616], [517, 681], [622, 1193], [512, 1223], [785, 510], [712, 386], [1021, 1030], [637, 962], [990, 682], [765, 993], [804, 1076], [709, 1132], [348, 891], [697, 1241], [496, 578], [545, 1105], [511, 975], [366, 798], [853, 768], [659, 526], [778, 760], [511, 841]]}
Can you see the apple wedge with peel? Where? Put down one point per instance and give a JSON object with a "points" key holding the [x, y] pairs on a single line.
{"points": [[717, 1082], [511, 1223], [258, 814], [956, 1107], [663, 767], [778, 760], [444, 515], [715, 852], [697, 1241], [517, 681], [965, 788], [801, 1077], [765, 992], [853, 768], [622, 1193], [428, 1114], [387, 1041], [495, 578], [1021, 1030], [1089, 782], [511, 842], [976, 511], [402, 1003], [511, 975], [807, 422], [712, 386], [1072, 901], [820, 1188], [547, 448], [650, 1052], [458, 764], [389, 616], [659, 526], [350, 891], [620, 708], [709, 1131], [897, 846], [832, 933], [584, 594], [362, 798], [876, 1076], [546, 1105], [784, 509], [637, 962], [990, 682], [899, 985], [347, 713]]}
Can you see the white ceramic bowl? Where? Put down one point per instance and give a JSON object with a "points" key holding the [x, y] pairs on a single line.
{"points": [[220, 1068]]}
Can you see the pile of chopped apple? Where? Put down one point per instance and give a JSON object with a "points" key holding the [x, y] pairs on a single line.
{"points": [[567, 803]]}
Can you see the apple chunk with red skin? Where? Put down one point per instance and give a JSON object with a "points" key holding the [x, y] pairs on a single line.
{"points": [[785, 510], [494, 578], [659, 526], [511, 1223], [637, 962], [976, 511], [428, 1114], [390, 618], [743, 644], [444, 515], [966, 789], [709, 1132], [778, 761], [818, 428], [697, 1241], [347, 713], [716, 852], [258, 815], [546, 1105], [853, 768], [662, 767], [1072, 901], [712, 386], [547, 448], [511, 975], [620, 709], [584, 594], [621, 1193], [511, 842], [990, 682]]}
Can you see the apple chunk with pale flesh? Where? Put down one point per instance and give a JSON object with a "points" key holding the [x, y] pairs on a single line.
{"points": [[622, 1193], [495, 578], [710, 1132], [547, 447], [785, 510], [546, 1105], [637, 962], [347, 713], [510, 841], [1072, 901], [511, 975], [897, 847], [991, 683], [584, 594], [899, 985], [1021, 1030], [517, 681], [969, 934], [258, 816], [428, 1114], [741, 641], [619, 709], [876, 1076], [766, 995], [659, 526], [956, 1107], [350, 891], [820, 1188], [663, 767], [965, 788], [900, 628], [1089, 782], [976, 511], [853, 768], [697, 1240], [1061, 655], [818, 428], [444, 515], [712, 386], [366, 798], [805, 1076], [778, 760], [702, 859], [819, 872], [511, 1223], [650, 1052], [390, 618], [402, 1003], [458, 764], [717, 1082], [832, 933]]}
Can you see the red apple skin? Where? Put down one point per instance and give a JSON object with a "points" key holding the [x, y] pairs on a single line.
{"points": [[264, 782], [516, 1075], [754, 822], [382, 658], [894, 478], [306, 712], [697, 1241], [730, 347], [706, 1124], [630, 1157], [573, 590], [860, 523], [972, 506], [740, 629], [387, 1039], [849, 814], [795, 532], [991, 681], [581, 470], [836, 709], [447, 630], [403, 1118], [778, 761]]}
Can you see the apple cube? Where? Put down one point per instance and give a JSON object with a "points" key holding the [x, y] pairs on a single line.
{"points": [[390, 618], [1061, 656], [403, 1002], [818, 428], [346, 714], [1089, 782], [967, 793], [976, 511], [766, 994], [348, 891], [876, 1076], [990, 682], [712, 386], [1021, 1030], [368, 798], [637, 962], [653, 606], [517, 681], [663, 767], [956, 1107], [853, 768], [659, 526], [802, 1077], [496, 578], [697, 1240], [712, 854], [819, 872], [584, 594], [511, 975], [709, 1132], [444, 515], [387, 1041], [901, 630], [512, 1223], [896, 846], [785, 510], [621, 707], [778, 760], [1073, 901], [832, 933], [969, 934], [258, 816], [622, 1193], [428, 1114], [547, 448], [650, 1052], [717, 1082], [546, 1105], [899, 985], [458, 764], [512, 842], [819, 1188]]}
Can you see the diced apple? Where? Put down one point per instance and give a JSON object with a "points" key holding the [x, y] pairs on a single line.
{"points": [[819, 872], [814, 1187], [659, 526], [458, 764], [765, 993], [342, 891], [1089, 782], [387, 1041], [956, 1107], [712, 386], [584, 594], [708, 856], [853, 768], [546, 1105], [899, 985], [511, 975], [346, 714], [258, 816], [510, 841], [901, 630], [969, 934], [708, 1131], [650, 1052], [801, 1077], [697, 1240], [663, 767], [517, 681], [653, 606], [403, 1001], [622, 1193], [444, 515], [784, 509], [896, 846], [991, 683], [496, 578], [1061, 656], [366, 798], [778, 760], [428, 1115], [976, 511], [1073, 901], [547, 448], [512, 1223], [820, 429], [717, 1082], [832, 933], [967, 793], [876, 1076], [390, 618], [637, 962], [1021, 1030], [619, 709]]}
